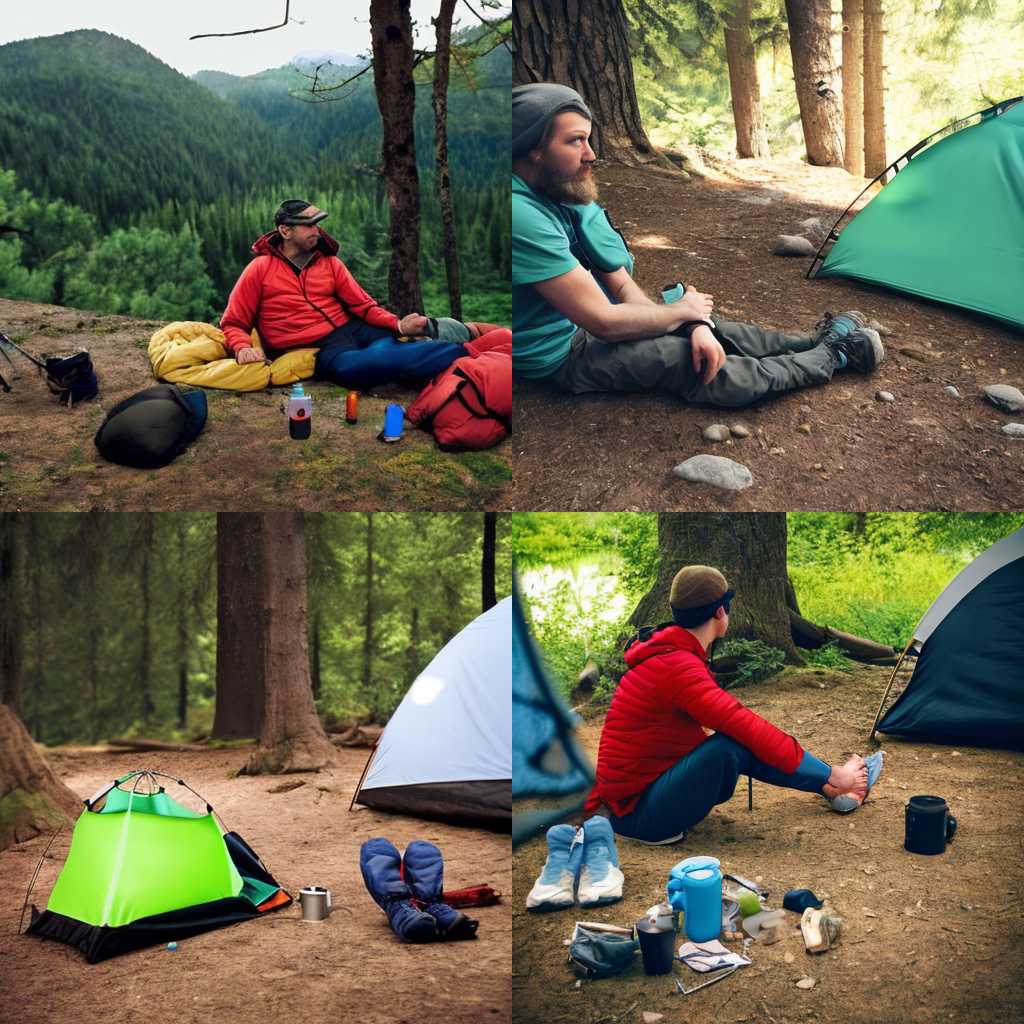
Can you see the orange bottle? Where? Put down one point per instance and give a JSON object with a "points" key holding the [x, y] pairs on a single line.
{"points": [[352, 407]]}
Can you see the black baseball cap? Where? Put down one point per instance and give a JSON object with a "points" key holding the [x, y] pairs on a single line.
{"points": [[291, 212]]}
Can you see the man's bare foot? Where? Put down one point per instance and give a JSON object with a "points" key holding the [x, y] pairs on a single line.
{"points": [[697, 305], [850, 779]]}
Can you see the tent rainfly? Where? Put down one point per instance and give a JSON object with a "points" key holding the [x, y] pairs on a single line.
{"points": [[950, 225], [143, 869], [446, 752], [967, 685]]}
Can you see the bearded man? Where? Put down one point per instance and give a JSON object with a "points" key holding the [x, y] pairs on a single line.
{"points": [[580, 323]]}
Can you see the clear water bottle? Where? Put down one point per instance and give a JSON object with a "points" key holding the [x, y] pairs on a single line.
{"points": [[300, 413]]}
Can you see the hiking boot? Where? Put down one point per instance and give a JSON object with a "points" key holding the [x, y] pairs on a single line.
{"points": [[555, 886], [381, 866], [423, 869], [600, 877], [860, 350], [834, 328]]}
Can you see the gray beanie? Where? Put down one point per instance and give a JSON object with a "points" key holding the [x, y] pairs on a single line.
{"points": [[533, 106]]}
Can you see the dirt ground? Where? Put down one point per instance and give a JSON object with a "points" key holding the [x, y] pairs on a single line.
{"points": [[925, 938], [275, 968], [243, 459], [926, 450]]}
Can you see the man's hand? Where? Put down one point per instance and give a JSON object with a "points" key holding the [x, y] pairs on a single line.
{"points": [[412, 323], [707, 352], [249, 355]]}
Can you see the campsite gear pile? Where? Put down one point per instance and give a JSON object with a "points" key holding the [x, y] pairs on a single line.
{"points": [[144, 869], [153, 427], [446, 752], [582, 867], [71, 378], [928, 825], [410, 892]]}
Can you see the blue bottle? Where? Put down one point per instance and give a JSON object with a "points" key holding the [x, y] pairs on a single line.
{"points": [[394, 416], [695, 887], [300, 413]]}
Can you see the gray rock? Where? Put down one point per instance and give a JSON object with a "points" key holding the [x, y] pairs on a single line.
{"points": [[792, 245], [884, 396], [715, 470], [756, 200], [879, 327], [1005, 397], [716, 432], [950, 390], [739, 430], [1014, 429]]}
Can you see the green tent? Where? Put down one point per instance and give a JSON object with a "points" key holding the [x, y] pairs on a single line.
{"points": [[144, 869], [949, 226]]}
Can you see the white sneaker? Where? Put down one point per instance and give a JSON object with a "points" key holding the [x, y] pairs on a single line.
{"points": [[600, 877], [555, 886]]}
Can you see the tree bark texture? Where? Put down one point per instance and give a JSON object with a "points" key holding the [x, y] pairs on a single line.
{"points": [[240, 639], [32, 798], [816, 77], [585, 46], [853, 86], [146, 706], [744, 86], [490, 595], [874, 89], [749, 548], [291, 736], [11, 617], [391, 33], [368, 622], [183, 609], [439, 101]]}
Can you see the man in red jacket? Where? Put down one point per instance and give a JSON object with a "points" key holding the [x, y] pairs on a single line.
{"points": [[298, 294], [659, 772]]}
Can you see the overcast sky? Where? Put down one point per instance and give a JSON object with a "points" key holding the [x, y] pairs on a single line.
{"points": [[163, 28]]}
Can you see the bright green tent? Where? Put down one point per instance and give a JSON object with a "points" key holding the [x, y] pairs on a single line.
{"points": [[950, 225], [144, 869]]}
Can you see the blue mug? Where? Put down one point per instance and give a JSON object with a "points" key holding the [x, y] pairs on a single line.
{"points": [[695, 887], [394, 417]]}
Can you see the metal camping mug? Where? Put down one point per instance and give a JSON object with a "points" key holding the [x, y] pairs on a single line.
{"points": [[316, 903], [929, 825]]}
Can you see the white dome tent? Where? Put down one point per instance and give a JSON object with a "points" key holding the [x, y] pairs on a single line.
{"points": [[446, 752]]}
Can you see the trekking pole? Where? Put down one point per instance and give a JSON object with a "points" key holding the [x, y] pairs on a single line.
{"points": [[5, 341]]}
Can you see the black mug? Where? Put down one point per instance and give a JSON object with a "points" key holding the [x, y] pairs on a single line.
{"points": [[929, 825], [657, 947]]}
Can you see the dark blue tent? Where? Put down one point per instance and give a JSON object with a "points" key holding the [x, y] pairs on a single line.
{"points": [[546, 760], [967, 685]]}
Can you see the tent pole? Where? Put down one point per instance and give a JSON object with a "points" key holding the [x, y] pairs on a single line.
{"points": [[892, 679], [366, 768]]}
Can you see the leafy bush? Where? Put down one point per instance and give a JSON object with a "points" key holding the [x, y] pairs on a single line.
{"points": [[829, 656], [758, 660]]}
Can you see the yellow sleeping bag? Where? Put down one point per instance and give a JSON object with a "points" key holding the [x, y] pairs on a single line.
{"points": [[187, 352]]}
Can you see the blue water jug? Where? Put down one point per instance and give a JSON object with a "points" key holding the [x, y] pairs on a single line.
{"points": [[695, 887]]}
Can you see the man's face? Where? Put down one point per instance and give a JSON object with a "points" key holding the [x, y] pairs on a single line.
{"points": [[303, 236], [564, 162]]}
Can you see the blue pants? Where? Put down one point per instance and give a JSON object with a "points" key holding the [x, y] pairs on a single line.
{"points": [[359, 356], [684, 795]]}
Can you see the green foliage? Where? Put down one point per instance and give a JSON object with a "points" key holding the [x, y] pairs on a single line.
{"points": [[758, 660], [17, 281], [829, 656]]}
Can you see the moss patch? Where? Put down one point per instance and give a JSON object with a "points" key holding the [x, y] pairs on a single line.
{"points": [[24, 815]]}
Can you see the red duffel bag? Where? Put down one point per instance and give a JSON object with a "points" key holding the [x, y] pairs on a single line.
{"points": [[469, 405]]}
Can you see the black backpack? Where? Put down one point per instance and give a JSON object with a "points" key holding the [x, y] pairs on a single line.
{"points": [[153, 427]]}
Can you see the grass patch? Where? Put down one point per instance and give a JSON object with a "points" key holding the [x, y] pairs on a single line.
{"points": [[487, 470]]}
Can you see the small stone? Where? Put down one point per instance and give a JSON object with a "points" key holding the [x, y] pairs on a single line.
{"points": [[817, 465], [715, 470], [716, 432], [869, 913], [950, 390], [804, 428], [956, 753], [739, 430], [805, 983], [1005, 397], [1014, 429], [776, 451], [880, 327], [884, 396], [805, 410], [579, 984], [652, 1018], [789, 958], [792, 245]]}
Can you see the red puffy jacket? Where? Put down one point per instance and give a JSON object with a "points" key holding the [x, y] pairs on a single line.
{"points": [[657, 715], [469, 405], [282, 304]]}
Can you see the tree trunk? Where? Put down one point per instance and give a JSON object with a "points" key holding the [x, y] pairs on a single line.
{"points": [[368, 692], [874, 90], [439, 101], [391, 32], [853, 85], [814, 71], [11, 603], [315, 655], [490, 596], [750, 549], [240, 641], [291, 736], [413, 663], [183, 606], [146, 707], [744, 87], [32, 798], [586, 46], [34, 722]]}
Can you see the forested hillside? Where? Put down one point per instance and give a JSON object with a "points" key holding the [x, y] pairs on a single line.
{"points": [[119, 160]]}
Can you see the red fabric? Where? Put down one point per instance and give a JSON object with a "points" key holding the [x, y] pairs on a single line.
{"points": [[657, 714], [269, 296], [469, 405], [474, 896]]}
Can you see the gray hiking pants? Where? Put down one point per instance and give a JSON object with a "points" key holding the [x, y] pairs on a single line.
{"points": [[758, 363]]}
